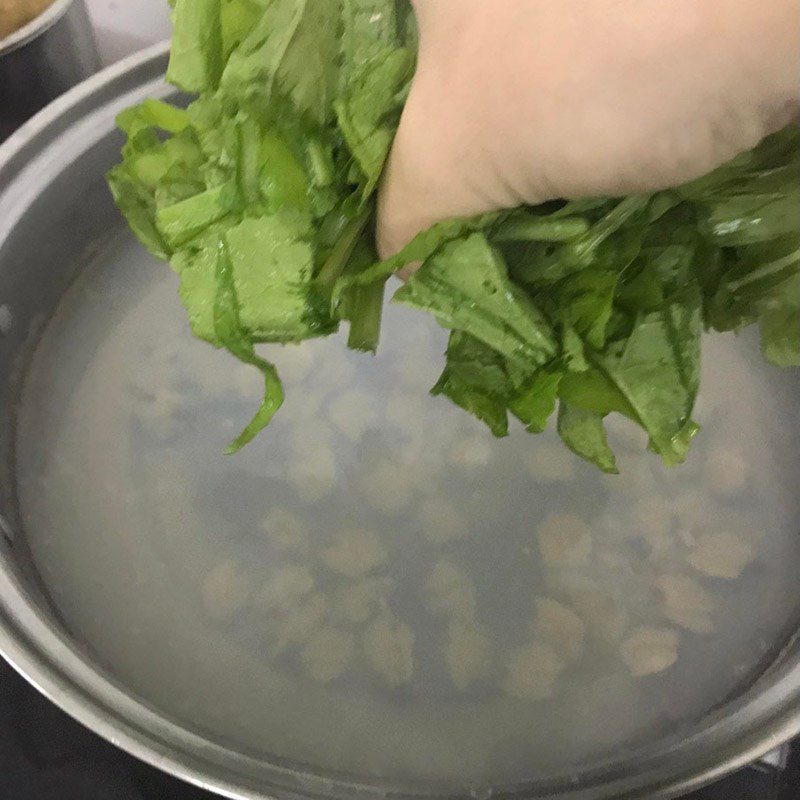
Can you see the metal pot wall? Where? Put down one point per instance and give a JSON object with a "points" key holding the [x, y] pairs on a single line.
{"points": [[55, 212], [44, 59]]}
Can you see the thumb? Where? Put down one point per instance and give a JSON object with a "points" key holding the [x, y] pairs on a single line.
{"points": [[438, 166]]}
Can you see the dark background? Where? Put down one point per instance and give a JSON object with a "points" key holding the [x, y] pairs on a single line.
{"points": [[45, 755]]}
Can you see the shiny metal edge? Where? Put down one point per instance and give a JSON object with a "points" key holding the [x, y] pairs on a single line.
{"points": [[768, 715], [118, 73], [30, 30]]}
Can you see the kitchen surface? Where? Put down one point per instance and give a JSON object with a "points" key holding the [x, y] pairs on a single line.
{"points": [[45, 755]]}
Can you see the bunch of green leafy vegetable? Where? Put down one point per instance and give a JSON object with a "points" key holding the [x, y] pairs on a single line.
{"points": [[260, 194]]}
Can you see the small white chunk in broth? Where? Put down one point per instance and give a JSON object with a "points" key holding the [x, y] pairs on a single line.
{"points": [[311, 437], [249, 382], [389, 647], [648, 651], [407, 368], [158, 413], [451, 592], [294, 362], [706, 406], [614, 561], [313, 476], [606, 619], [334, 370], [686, 603], [625, 433], [299, 623], [470, 453], [355, 553], [721, 554], [386, 487], [533, 672], [467, 653], [637, 478], [564, 541], [200, 366], [285, 587], [694, 509], [425, 475], [441, 521], [285, 530], [353, 413], [652, 518], [560, 627], [726, 472], [327, 654], [302, 409], [407, 413], [354, 604], [225, 590], [548, 462]]}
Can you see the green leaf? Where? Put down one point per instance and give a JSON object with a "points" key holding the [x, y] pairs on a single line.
{"points": [[290, 52], [738, 220], [572, 349], [282, 181], [657, 371], [480, 380], [584, 434], [362, 112], [488, 410], [475, 380], [627, 211], [195, 62], [272, 265], [181, 222], [465, 286], [779, 322], [147, 115], [477, 365], [237, 18], [376, 70], [593, 390], [758, 275], [537, 402], [775, 152], [597, 301], [586, 299], [138, 206], [542, 265], [230, 335], [420, 248], [369, 28]]}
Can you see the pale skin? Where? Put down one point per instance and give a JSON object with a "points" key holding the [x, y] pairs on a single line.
{"points": [[523, 101]]}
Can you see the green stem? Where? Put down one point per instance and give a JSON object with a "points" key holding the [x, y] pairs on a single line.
{"points": [[364, 310], [336, 262], [532, 229]]}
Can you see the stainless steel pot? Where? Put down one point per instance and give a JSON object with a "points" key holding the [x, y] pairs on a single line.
{"points": [[55, 212], [43, 59]]}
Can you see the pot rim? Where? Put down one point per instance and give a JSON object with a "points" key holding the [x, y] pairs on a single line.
{"points": [[765, 715]]}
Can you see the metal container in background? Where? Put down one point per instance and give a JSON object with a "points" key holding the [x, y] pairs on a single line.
{"points": [[43, 59]]}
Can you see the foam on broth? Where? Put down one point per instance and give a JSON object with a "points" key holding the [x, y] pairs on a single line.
{"points": [[377, 586]]}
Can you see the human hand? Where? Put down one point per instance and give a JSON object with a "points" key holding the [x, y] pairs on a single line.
{"points": [[522, 101]]}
